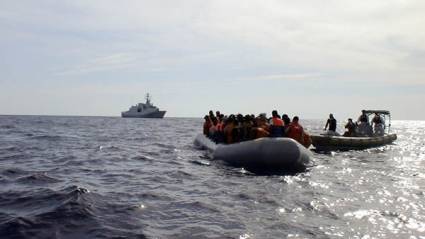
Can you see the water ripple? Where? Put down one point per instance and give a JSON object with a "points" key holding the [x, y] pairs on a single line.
{"points": [[100, 177]]}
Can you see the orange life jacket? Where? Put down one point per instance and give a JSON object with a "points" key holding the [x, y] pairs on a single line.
{"points": [[296, 131], [277, 121]]}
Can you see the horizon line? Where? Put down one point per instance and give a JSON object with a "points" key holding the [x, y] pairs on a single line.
{"points": [[192, 117]]}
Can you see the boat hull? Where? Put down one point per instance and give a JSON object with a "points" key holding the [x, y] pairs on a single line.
{"points": [[263, 153], [157, 114], [327, 143]]}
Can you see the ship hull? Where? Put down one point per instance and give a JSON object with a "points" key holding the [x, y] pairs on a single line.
{"points": [[156, 115]]}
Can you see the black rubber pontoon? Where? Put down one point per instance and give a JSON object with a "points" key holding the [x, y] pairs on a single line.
{"points": [[263, 153], [327, 143]]}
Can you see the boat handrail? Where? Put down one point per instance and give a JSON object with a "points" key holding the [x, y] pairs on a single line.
{"points": [[382, 112]]}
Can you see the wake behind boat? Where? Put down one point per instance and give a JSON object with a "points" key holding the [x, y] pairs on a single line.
{"points": [[147, 110]]}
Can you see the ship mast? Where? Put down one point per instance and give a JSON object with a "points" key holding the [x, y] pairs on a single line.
{"points": [[148, 99]]}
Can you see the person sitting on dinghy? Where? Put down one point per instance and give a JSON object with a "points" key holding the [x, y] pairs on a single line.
{"points": [[217, 114], [207, 125], [286, 122], [351, 128], [237, 130], [295, 130], [213, 129], [246, 128], [219, 129], [228, 129], [276, 126], [261, 129]]}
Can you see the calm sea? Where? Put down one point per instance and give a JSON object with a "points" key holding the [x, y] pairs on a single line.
{"points": [[106, 177]]}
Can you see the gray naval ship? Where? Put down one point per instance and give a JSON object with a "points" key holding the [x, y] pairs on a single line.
{"points": [[146, 110]]}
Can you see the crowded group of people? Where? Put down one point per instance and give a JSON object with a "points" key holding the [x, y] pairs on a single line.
{"points": [[362, 127], [237, 127]]}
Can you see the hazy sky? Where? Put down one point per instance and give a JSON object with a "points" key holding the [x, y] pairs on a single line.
{"points": [[304, 57]]}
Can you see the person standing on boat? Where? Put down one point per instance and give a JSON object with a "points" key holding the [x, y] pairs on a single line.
{"points": [[363, 126], [377, 119], [378, 125], [331, 122], [363, 118]]}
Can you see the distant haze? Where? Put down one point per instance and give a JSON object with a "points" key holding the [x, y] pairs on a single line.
{"points": [[304, 57]]}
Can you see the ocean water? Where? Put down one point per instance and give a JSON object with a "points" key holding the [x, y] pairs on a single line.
{"points": [[106, 177]]}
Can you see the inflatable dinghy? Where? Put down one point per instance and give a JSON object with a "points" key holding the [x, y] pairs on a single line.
{"points": [[327, 142], [263, 153]]}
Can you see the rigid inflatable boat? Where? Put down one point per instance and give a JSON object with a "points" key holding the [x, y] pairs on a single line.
{"points": [[367, 136], [327, 142], [263, 153]]}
